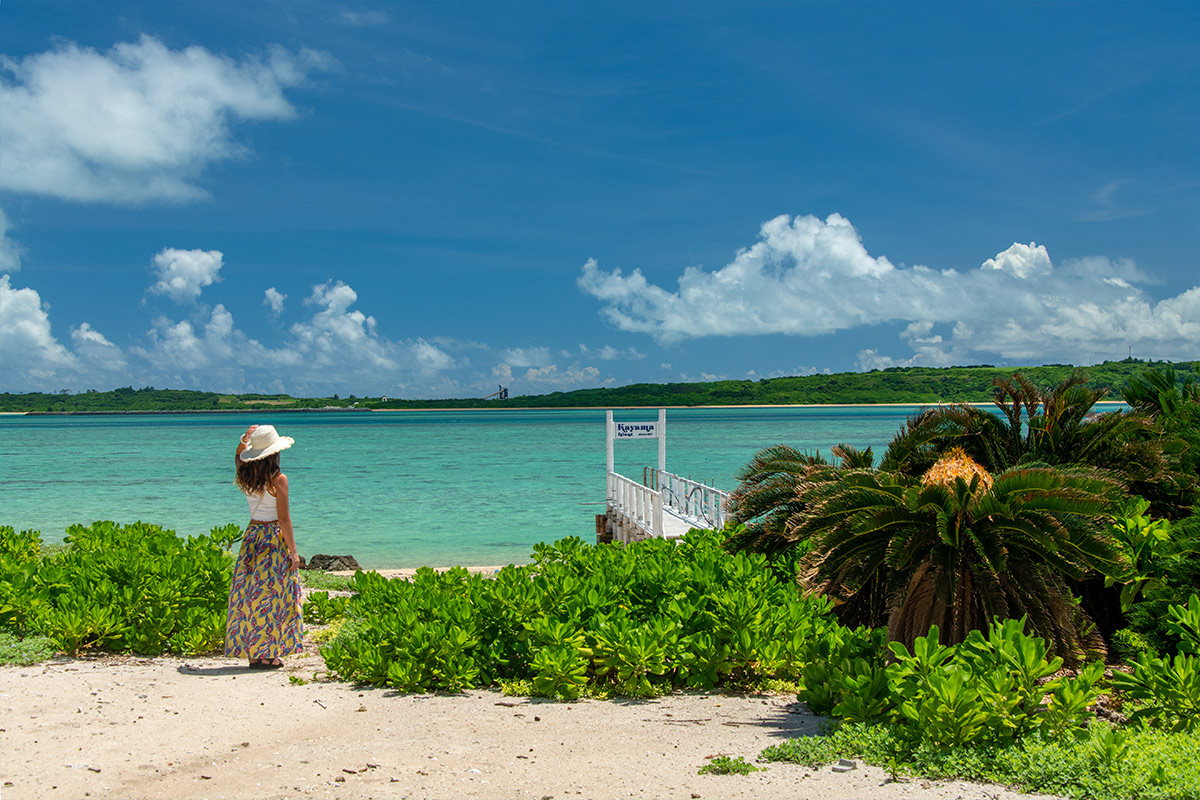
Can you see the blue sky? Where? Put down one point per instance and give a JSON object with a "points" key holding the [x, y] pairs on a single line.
{"points": [[429, 200]]}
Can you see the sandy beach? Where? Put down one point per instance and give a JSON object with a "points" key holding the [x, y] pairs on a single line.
{"points": [[129, 727]]}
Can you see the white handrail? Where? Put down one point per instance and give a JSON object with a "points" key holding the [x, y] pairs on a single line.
{"points": [[638, 505], [691, 499]]}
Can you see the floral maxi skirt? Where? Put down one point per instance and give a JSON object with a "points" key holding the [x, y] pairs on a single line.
{"points": [[264, 598]]}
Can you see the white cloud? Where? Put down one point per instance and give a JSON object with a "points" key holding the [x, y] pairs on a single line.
{"points": [[430, 357], [139, 122], [94, 349], [336, 350], [182, 274], [1022, 260], [26, 344], [610, 353], [573, 377], [274, 299], [32, 359], [870, 359], [10, 251], [808, 277], [527, 356], [549, 378]]}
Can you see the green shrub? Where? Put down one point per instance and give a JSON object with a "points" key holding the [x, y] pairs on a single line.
{"points": [[990, 689], [1127, 643], [1171, 575], [321, 608], [724, 765], [1100, 762], [133, 587], [316, 579], [1166, 691], [1183, 622], [582, 620]]}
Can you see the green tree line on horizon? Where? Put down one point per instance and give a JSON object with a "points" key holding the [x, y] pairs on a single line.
{"points": [[916, 385]]}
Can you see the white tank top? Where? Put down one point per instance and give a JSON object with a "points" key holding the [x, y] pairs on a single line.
{"points": [[263, 507]]}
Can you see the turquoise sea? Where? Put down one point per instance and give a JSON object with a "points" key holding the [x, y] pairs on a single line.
{"points": [[395, 489]]}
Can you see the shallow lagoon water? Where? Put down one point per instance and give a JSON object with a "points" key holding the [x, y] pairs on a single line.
{"points": [[395, 489]]}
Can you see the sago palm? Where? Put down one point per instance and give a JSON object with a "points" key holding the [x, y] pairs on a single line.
{"points": [[765, 498], [957, 546], [1055, 426]]}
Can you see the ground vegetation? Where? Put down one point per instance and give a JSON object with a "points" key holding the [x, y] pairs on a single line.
{"points": [[908, 385]]}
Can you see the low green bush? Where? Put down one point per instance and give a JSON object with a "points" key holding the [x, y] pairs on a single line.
{"points": [[724, 765], [1100, 762], [636, 621], [1166, 691], [1166, 573], [25, 651], [138, 588], [992, 688], [321, 608], [316, 579]]}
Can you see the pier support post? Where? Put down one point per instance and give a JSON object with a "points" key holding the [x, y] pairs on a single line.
{"points": [[603, 534]]}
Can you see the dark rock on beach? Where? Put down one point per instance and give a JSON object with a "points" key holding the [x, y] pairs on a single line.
{"points": [[332, 563]]}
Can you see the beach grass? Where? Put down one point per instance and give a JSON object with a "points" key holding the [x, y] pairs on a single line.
{"points": [[17, 651], [1140, 763], [323, 581]]}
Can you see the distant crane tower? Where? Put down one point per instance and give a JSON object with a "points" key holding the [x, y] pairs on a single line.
{"points": [[500, 395]]}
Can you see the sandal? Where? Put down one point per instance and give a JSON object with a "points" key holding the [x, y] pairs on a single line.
{"points": [[265, 664]]}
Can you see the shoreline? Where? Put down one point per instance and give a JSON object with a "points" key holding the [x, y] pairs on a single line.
{"points": [[338, 409], [406, 573]]}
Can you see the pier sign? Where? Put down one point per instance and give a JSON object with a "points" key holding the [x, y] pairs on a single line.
{"points": [[643, 429], [637, 430]]}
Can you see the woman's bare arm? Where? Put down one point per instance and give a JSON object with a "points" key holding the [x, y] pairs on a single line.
{"points": [[243, 443], [280, 484]]}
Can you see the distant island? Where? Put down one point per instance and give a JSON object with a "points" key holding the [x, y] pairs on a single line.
{"points": [[915, 385]]}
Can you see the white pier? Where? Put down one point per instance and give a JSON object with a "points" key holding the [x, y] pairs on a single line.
{"points": [[663, 505]]}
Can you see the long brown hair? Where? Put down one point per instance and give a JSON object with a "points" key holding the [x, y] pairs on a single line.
{"points": [[254, 477]]}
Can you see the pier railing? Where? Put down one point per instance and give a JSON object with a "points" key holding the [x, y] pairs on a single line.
{"points": [[696, 502], [636, 511]]}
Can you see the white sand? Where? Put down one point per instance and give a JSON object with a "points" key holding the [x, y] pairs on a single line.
{"points": [[127, 727]]}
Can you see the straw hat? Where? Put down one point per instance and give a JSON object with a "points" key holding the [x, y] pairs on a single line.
{"points": [[265, 441]]}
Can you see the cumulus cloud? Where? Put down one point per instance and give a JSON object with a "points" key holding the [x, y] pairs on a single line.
{"points": [[273, 298], [27, 345], [336, 349], [527, 356], [1021, 260], [573, 377], [182, 274], [549, 377], [95, 350], [807, 277], [138, 122], [32, 357]]}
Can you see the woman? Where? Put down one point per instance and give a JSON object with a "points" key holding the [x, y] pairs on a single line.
{"points": [[264, 597]]}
